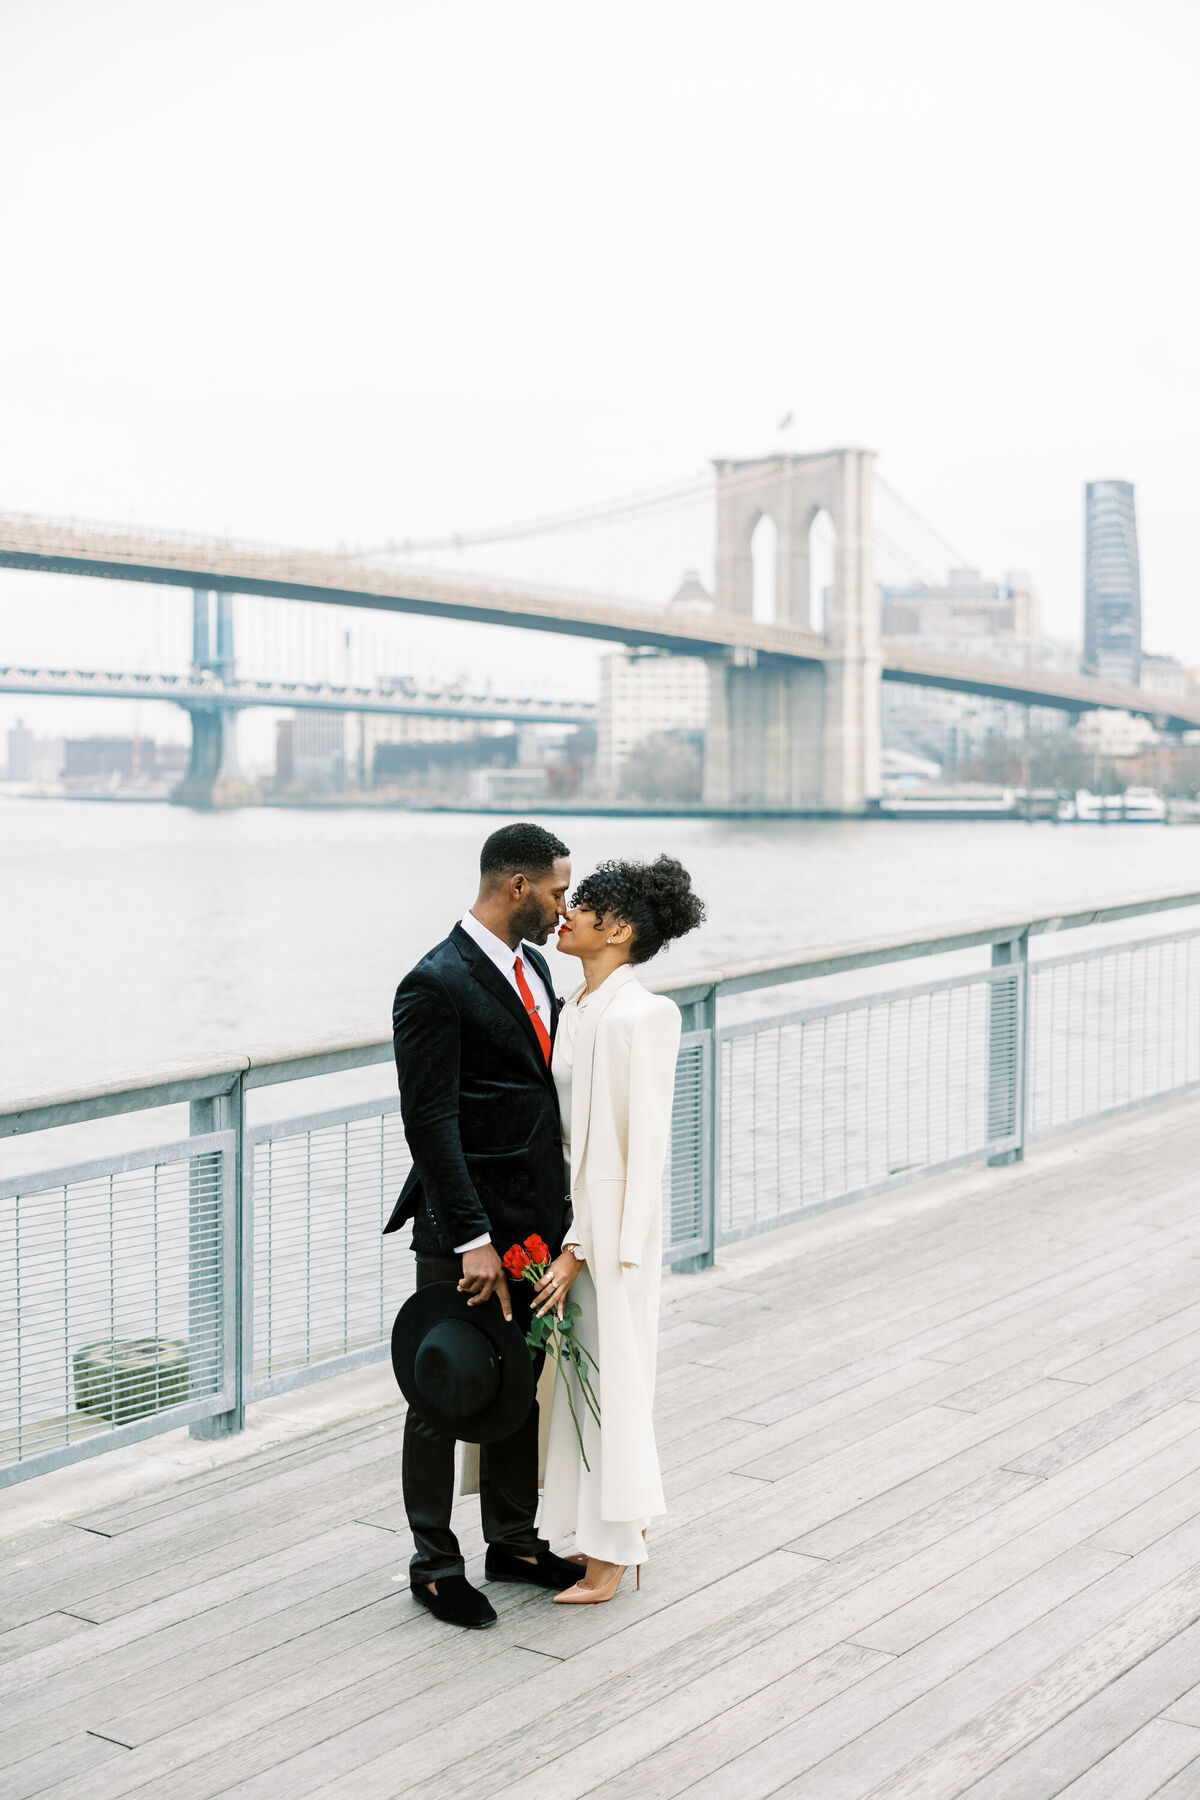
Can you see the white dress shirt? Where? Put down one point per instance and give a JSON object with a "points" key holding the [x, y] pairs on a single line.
{"points": [[505, 959]]}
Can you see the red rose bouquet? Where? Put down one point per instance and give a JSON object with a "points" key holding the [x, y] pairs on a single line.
{"points": [[557, 1337]]}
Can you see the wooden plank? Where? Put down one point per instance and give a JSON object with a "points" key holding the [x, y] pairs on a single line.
{"points": [[224, 1552], [1011, 1541], [594, 1748], [927, 1743], [210, 1597], [651, 1648], [78, 1760], [1134, 1769], [228, 1747], [728, 1736], [1039, 1702], [862, 1521], [1161, 1512], [1118, 1355], [51, 1628], [181, 1657], [770, 1741], [253, 1473], [1110, 1423], [1185, 1786], [100, 1576]]}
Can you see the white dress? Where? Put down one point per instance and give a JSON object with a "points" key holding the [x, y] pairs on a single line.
{"points": [[614, 1068]]}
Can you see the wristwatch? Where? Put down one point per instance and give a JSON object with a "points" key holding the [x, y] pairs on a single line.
{"points": [[576, 1252]]}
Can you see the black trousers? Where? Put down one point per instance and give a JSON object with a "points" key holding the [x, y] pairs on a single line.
{"points": [[508, 1471]]}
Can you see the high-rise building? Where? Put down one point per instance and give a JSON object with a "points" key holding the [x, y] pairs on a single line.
{"points": [[1112, 604], [20, 751], [641, 695]]}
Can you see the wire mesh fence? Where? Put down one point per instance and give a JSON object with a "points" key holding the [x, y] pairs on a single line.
{"points": [[326, 1282], [1112, 1029], [168, 1287], [686, 1212], [845, 1099], [113, 1317]]}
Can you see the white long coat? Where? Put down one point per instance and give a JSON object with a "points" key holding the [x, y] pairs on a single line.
{"points": [[623, 1084]]}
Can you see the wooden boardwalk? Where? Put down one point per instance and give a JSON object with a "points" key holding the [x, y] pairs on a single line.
{"points": [[934, 1471]]}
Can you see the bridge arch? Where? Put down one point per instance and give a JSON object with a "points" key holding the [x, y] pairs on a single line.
{"points": [[763, 546], [821, 534], [795, 490]]}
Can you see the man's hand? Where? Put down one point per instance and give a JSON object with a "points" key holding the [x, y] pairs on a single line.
{"points": [[551, 1290], [482, 1276]]}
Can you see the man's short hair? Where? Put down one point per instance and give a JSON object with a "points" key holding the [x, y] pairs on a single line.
{"points": [[520, 849]]}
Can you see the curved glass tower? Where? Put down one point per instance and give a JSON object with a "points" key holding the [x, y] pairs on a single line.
{"points": [[1112, 605]]}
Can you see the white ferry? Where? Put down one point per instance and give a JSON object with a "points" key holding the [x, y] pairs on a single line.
{"points": [[1136, 806]]}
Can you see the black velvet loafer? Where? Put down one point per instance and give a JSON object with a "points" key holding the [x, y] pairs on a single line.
{"points": [[456, 1602], [549, 1571]]}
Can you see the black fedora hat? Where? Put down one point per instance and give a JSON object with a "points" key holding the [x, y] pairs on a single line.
{"points": [[465, 1370]]}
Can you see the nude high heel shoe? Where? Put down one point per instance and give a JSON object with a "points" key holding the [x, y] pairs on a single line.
{"points": [[594, 1596]]}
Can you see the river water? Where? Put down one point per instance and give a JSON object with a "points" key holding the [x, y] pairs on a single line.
{"points": [[141, 934], [137, 934]]}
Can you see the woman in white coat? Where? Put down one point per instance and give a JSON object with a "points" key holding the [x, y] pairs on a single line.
{"points": [[614, 1067]]}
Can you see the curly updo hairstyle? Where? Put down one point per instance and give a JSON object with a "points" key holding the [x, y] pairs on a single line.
{"points": [[655, 899]]}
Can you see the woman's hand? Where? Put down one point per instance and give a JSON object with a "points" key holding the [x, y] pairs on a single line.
{"points": [[552, 1289]]}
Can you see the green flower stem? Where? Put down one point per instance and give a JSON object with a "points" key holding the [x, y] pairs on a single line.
{"points": [[545, 1334], [574, 1417]]}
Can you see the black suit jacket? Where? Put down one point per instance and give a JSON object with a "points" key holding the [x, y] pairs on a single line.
{"points": [[479, 1105]]}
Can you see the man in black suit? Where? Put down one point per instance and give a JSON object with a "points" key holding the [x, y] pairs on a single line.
{"points": [[473, 1027]]}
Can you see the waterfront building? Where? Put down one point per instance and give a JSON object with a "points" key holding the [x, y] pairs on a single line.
{"points": [[32, 758], [1113, 733], [647, 693], [1166, 675], [105, 759], [285, 769], [642, 694], [509, 787], [380, 732], [964, 606], [20, 751], [1112, 605], [318, 747]]}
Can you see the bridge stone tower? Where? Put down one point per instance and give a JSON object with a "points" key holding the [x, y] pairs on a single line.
{"points": [[213, 777], [789, 734]]}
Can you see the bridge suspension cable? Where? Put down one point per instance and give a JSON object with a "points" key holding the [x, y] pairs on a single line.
{"points": [[607, 512], [962, 561], [669, 497]]}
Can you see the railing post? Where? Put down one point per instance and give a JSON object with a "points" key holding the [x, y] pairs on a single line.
{"points": [[701, 1015], [220, 1263], [1008, 1006]]}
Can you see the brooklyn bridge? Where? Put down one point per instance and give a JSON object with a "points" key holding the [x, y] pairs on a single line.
{"points": [[794, 699]]}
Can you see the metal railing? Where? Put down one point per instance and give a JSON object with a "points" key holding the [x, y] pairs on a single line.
{"points": [[175, 1285]]}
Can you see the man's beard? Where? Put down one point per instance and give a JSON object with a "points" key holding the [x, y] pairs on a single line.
{"points": [[532, 923]]}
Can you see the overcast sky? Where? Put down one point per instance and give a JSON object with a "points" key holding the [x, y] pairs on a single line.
{"points": [[322, 270]]}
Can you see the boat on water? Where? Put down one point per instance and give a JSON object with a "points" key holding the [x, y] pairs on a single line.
{"points": [[1136, 806], [970, 800]]}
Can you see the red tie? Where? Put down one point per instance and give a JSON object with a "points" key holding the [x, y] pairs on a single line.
{"points": [[535, 1018]]}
